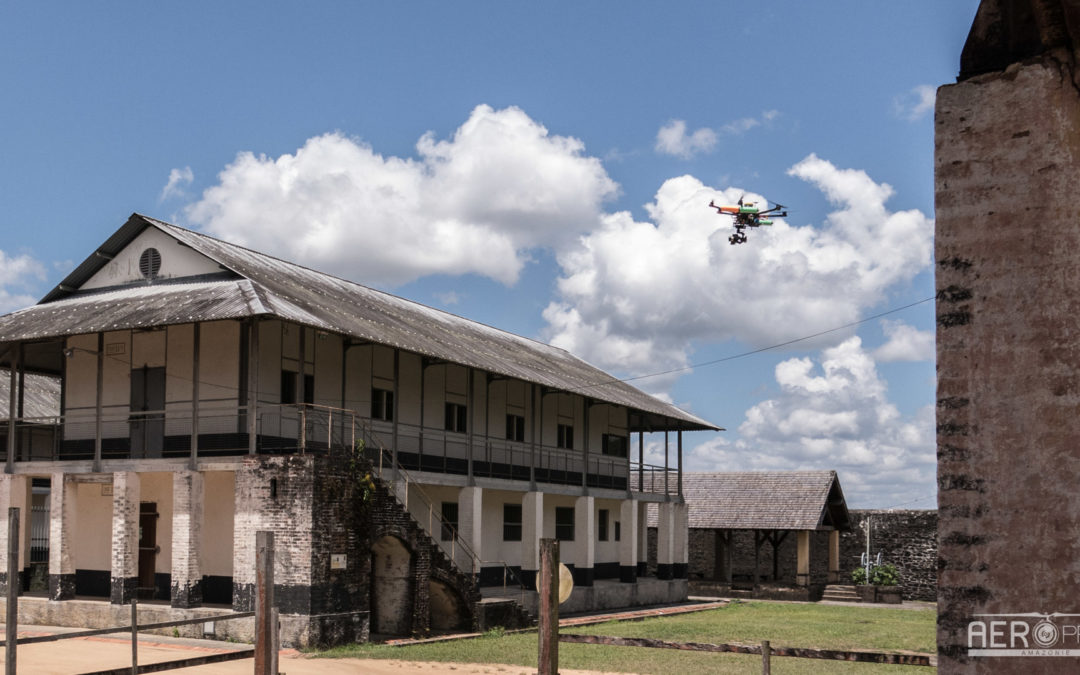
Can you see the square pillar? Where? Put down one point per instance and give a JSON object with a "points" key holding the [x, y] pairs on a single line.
{"points": [[834, 556], [802, 570], [681, 536], [665, 541], [124, 577], [470, 502], [532, 528], [584, 540], [185, 588], [642, 538], [628, 547], [14, 492], [63, 521]]}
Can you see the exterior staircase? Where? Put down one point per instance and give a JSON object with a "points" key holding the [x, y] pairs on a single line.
{"points": [[840, 593], [485, 614]]}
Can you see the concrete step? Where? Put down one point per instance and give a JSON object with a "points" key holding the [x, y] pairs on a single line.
{"points": [[840, 593]]}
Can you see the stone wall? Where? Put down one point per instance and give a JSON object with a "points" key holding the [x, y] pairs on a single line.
{"points": [[906, 539]]}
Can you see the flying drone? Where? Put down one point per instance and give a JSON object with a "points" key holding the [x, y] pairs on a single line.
{"points": [[746, 215]]}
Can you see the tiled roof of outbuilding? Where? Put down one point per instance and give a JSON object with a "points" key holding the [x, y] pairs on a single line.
{"points": [[765, 500]]}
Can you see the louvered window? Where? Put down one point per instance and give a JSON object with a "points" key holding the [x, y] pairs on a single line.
{"points": [[150, 263]]}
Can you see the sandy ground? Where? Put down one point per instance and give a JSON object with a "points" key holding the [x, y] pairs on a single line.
{"points": [[80, 655]]}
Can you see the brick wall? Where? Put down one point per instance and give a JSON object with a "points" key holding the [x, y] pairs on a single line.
{"points": [[311, 505]]}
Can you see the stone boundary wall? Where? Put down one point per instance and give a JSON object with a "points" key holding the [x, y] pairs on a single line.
{"points": [[906, 539]]}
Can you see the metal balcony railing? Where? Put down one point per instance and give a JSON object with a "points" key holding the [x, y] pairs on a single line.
{"points": [[223, 429]]}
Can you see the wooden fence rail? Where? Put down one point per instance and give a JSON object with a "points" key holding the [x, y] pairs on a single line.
{"points": [[896, 658]]}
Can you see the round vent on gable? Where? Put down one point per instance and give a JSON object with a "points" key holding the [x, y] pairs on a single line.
{"points": [[150, 263]]}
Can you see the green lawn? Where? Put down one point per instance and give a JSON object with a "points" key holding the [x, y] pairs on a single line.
{"points": [[793, 625]]}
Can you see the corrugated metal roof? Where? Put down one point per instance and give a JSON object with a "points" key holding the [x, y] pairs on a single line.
{"points": [[269, 286], [41, 396], [771, 500], [138, 306]]}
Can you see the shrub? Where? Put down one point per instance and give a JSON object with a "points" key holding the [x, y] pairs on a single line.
{"points": [[880, 575], [884, 575]]}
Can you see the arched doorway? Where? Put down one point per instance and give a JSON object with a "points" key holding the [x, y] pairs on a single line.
{"points": [[446, 609], [391, 587]]}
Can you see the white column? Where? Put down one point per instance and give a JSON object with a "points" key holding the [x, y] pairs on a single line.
{"points": [[470, 526], [14, 492], [584, 540], [125, 538], [187, 524], [63, 521], [681, 556], [628, 544], [532, 528], [665, 541], [643, 538]]}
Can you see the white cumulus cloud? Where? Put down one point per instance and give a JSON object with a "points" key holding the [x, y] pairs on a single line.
{"points": [[672, 139], [905, 343], [18, 276], [914, 104], [474, 203], [635, 296], [178, 179], [834, 414]]}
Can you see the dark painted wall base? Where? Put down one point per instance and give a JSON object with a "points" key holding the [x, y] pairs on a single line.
{"points": [[94, 583], [583, 576], [681, 570], [628, 574], [61, 586], [665, 572], [122, 589], [185, 595]]}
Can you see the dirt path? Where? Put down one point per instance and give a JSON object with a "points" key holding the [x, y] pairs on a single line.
{"points": [[79, 655]]}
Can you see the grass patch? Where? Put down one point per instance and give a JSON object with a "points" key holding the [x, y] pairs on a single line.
{"points": [[792, 625]]}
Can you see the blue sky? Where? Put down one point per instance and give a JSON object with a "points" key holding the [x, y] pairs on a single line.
{"points": [[544, 168]]}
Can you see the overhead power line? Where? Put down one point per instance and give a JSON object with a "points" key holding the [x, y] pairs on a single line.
{"points": [[778, 345]]}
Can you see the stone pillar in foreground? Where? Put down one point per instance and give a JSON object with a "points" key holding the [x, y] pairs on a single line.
{"points": [[1007, 143]]}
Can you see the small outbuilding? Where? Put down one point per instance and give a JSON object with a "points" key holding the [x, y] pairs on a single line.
{"points": [[765, 534]]}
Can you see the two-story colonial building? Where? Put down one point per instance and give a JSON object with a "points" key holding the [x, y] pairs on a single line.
{"points": [[204, 385]]}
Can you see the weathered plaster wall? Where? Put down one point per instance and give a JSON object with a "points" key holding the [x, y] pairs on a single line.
{"points": [[1008, 321]]}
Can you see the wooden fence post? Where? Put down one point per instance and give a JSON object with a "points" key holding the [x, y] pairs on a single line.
{"points": [[265, 654], [12, 620], [766, 653], [134, 637], [548, 661]]}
